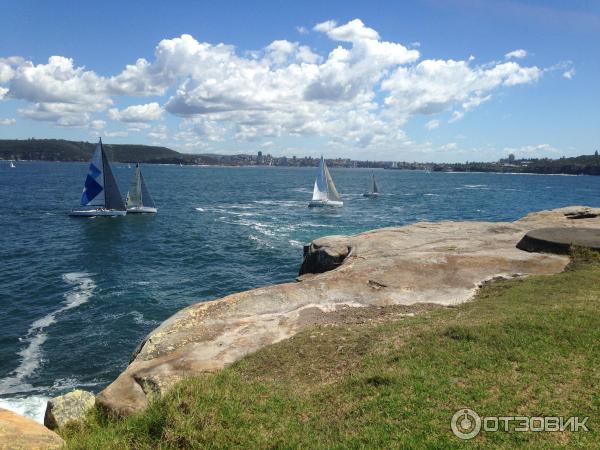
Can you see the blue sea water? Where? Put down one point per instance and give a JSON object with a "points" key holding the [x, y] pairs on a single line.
{"points": [[77, 295]]}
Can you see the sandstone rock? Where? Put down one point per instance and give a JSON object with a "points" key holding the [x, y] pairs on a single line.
{"points": [[559, 240], [439, 263], [71, 407], [20, 433]]}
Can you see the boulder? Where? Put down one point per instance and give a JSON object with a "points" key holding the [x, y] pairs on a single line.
{"points": [[430, 263], [71, 407], [325, 255], [18, 432]]}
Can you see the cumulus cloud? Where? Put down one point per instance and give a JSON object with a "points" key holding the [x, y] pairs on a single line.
{"points": [[137, 113], [434, 86], [517, 54], [7, 121], [359, 95], [159, 133], [56, 91]]}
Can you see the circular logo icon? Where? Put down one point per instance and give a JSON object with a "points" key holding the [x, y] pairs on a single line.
{"points": [[465, 424]]}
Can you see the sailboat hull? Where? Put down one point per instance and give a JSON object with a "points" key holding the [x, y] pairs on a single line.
{"points": [[141, 210], [325, 204], [371, 194], [97, 213]]}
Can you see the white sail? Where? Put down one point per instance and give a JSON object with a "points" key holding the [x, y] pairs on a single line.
{"points": [[100, 189], [332, 193], [320, 188], [375, 187], [134, 196], [93, 188]]}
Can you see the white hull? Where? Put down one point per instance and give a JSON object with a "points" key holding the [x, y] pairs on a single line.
{"points": [[97, 213], [141, 210], [325, 203]]}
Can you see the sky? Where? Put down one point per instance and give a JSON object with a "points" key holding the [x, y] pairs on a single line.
{"points": [[422, 80]]}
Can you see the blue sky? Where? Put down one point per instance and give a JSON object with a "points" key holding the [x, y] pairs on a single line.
{"points": [[425, 80]]}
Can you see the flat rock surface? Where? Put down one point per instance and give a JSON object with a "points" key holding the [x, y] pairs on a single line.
{"points": [[20, 433], [425, 263], [559, 240]]}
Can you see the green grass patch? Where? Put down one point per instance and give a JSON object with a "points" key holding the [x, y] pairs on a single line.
{"points": [[522, 347]]}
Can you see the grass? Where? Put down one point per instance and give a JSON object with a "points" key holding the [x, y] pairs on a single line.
{"points": [[523, 347]]}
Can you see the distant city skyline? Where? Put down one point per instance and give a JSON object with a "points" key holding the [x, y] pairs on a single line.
{"points": [[429, 81]]}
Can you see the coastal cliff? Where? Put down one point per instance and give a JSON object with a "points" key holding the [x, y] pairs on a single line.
{"points": [[435, 263]]}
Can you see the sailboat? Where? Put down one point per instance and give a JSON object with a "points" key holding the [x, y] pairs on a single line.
{"points": [[100, 189], [139, 199], [12, 165], [324, 192], [373, 189]]}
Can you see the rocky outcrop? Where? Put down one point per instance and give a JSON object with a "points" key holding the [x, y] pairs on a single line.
{"points": [[560, 240], [435, 263], [71, 407], [19, 433]]}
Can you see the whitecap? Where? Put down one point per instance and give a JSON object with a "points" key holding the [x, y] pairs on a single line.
{"points": [[138, 318], [33, 407], [31, 355]]}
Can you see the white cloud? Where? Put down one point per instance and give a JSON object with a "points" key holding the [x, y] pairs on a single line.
{"points": [[456, 116], [449, 146], [159, 133], [517, 54], [115, 133], [7, 121], [57, 91], [359, 95], [434, 86], [97, 125], [137, 113], [534, 151], [353, 31], [432, 124], [569, 74], [302, 30]]}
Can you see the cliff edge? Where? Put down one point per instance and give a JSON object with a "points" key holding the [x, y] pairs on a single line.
{"points": [[440, 263]]}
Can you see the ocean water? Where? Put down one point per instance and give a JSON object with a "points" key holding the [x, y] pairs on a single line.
{"points": [[77, 295]]}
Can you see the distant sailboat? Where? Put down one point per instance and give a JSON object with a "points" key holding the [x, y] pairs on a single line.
{"points": [[324, 192], [12, 165], [374, 190], [139, 199], [100, 189]]}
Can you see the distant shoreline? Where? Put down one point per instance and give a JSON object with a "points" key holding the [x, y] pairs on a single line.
{"points": [[251, 166], [59, 150]]}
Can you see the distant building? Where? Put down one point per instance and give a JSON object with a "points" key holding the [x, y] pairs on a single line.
{"points": [[259, 158]]}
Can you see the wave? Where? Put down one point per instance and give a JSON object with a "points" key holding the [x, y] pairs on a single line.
{"points": [[31, 356], [33, 406], [139, 318]]}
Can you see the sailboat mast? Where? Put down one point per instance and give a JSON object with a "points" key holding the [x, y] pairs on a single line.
{"points": [[103, 159]]}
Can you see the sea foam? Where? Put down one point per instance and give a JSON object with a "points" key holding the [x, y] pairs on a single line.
{"points": [[31, 356]]}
